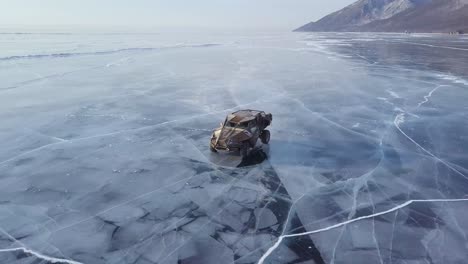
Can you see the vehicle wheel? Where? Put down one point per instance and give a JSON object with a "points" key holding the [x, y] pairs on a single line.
{"points": [[265, 137], [213, 149], [244, 151]]}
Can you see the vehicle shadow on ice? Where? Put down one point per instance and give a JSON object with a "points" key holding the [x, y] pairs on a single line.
{"points": [[257, 156], [279, 203]]}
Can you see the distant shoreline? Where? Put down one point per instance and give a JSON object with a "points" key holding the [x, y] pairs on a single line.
{"points": [[383, 32]]}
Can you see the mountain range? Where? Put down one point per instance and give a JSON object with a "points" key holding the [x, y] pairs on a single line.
{"points": [[396, 16]]}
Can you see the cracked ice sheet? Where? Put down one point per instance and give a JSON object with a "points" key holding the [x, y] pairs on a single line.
{"points": [[419, 233], [124, 213], [116, 168]]}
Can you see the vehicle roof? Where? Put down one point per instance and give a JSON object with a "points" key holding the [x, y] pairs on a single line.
{"points": [[242, 116]]}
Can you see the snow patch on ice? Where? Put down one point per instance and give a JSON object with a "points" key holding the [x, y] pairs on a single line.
{"points": [[454, 79], [393, 94]]}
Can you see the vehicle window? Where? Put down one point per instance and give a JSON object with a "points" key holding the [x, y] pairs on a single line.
{"points": [[237, 125], [243, 125]]}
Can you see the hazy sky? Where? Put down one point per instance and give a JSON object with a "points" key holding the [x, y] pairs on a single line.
{"points": [[216, 14]]}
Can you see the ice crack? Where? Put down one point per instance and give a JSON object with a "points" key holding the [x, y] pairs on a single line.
{"points": [[396, 208], [132, 129], [429, 95], [429, 45], [41, 256], [123, 203], [320, 116], [32, 252], [399, 119]]}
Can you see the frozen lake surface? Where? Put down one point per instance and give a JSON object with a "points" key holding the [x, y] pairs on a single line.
{"points": [[104, 152]]}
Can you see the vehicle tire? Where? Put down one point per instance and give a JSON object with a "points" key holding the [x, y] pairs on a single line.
{"points": [[213, 149], [265, 137], [244, 151], [268, 120]]}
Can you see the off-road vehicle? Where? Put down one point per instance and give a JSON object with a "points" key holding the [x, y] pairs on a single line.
{"points": [[241, 131]]}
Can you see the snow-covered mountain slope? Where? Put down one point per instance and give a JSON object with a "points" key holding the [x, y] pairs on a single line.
{"points": [[396, 15], [362, 12], [437, 16]]}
